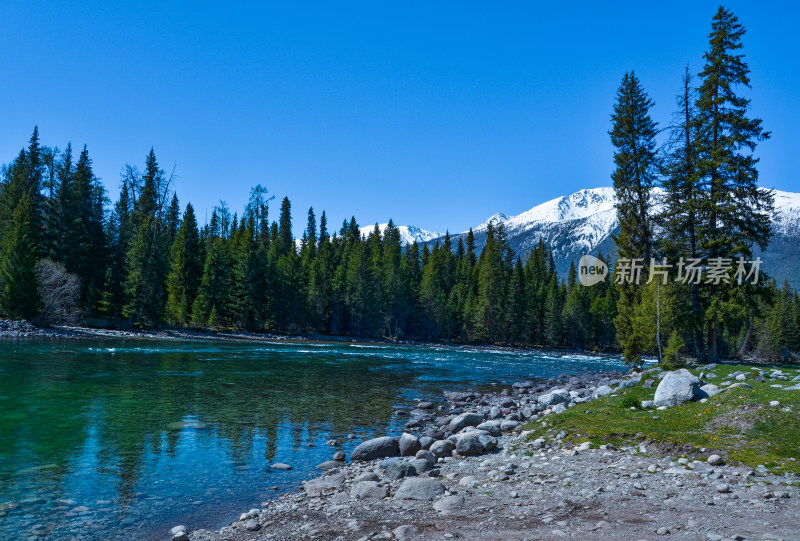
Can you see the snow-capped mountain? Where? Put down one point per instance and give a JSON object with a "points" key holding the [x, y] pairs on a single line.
{"points": [[408, 233], [583, 222]]}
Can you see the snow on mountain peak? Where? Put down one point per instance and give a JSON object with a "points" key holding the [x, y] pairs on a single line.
{"points": [[408, 233], [495, 219]]}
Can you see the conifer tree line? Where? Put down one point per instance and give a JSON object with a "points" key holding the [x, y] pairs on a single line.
{"points": [[150, 262], [710, 208]]}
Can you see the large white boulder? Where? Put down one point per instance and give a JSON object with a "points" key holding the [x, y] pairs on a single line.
{"points": [[677, 388]]}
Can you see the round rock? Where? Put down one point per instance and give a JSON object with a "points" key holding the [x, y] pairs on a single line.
{"points": [[419, 488], [449, 503]]}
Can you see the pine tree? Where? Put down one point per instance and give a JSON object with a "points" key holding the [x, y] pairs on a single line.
{"points": [[680, 218], [19, 292], [84, 227], [185, 270], [491, 277], [633, 135], [173, 219], [147, 257], [213, 303], [120, 234], [736, 213]]}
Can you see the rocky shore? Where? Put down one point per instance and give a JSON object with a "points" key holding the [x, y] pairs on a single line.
{"points": [[465, 468]]}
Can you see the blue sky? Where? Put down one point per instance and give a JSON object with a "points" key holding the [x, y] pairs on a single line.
{"points": [[433, 114]]}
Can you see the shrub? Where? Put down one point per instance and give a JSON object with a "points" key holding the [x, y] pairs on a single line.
{"points": [[60, 292], [672, 353]]}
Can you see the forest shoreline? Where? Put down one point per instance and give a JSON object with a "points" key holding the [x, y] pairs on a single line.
{"points": [[25, 329], [15, 329]]}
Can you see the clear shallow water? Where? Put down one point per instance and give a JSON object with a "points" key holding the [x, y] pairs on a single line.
{"points": [[108, 439]]}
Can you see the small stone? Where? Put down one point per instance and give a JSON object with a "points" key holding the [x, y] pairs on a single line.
{"points": [[468, 481], [514, 494], [339, 456], [723, 488], [663, 531], [281, 466], [715, 460], [180, 536], [252, 525], [774, 403], [176, 529], [652, 468]]}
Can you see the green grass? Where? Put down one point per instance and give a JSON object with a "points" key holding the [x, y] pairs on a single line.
{"points": [[739, 424]]}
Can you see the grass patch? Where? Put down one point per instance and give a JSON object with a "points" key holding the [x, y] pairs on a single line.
{"points": [[738, 424]]}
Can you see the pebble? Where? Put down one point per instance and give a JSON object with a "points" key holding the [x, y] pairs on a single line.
{"points": [[252, 525], [774, 403], [723, 488], [663, 531], [281, 466], [715, 460]]}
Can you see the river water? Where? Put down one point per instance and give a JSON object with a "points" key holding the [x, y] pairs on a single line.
{"points": [[123, 439]]}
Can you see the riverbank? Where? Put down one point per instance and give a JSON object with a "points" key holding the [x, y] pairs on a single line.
{"points": [[25, 329], [563, 459]]}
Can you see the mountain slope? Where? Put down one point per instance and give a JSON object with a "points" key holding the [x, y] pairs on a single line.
{"points": [[583, 223], [408, 233]]}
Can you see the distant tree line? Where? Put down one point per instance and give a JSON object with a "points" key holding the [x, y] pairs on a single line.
{"points": [[150, 263], [712, 211]]}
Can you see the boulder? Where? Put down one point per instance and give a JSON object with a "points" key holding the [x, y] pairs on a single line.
{"points": [[376, 448], [489, 442], [677, 388], [465, 419], [449, 503], [407, 531], [419, 488], [425, 442], [400, 469], [492, 427], [368, 490], [435, 433], [630, 382], [368, 476], [409, 444], [709, 390], [421, 465], [469, 445], [508, 426], [442, 448], [559, 396], [316, 487], [603, 390]]}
